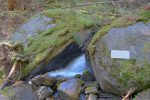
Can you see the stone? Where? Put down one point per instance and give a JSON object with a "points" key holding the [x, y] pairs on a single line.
{"points": [[21, 91], [39, 24], [82, 97], [44, 92], [91, 90], [69, 89], [2, 97], [144, 95], [92, 97], [117, 75], [50, 98], [78, 76], [61, 79], [87, 76], [44, 80], [92, 84]]}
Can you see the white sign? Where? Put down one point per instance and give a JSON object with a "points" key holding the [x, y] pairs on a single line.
{"points": [[122, 54]]}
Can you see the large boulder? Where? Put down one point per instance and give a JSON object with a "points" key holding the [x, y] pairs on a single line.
{"points": [[57, 43], [69, 90], [44, 80], [44, 92], [21, 91], [118, 73]]}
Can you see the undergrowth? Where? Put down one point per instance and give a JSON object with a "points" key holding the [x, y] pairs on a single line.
{"points": [[131, 76]]}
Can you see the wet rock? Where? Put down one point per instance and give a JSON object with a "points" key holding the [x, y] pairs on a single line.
{"points": [[21, 91], [106, 96], [44, 80], [78, 76], [82, 97], [118, 75], [92, 84], [91, 90], [92, 97], [69, 89], [56, 96], [87, 76], [32, 28], [50, 98], [44, 92], [144, 95], [61, 79]]}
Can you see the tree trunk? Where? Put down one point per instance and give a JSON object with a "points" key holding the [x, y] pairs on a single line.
{"points": [[11, 4]]}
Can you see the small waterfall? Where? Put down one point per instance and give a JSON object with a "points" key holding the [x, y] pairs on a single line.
{"points": [[77, 66]]}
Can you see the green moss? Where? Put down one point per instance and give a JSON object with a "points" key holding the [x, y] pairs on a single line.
{"points": [[131, 76], [146, 47], [2, 75], [50, 41], [4, 91], [143, 16]]}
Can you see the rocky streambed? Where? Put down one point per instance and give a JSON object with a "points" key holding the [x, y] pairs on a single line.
{"points": [[74, 82]]}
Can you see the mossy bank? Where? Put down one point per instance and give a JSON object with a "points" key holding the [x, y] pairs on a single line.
{"points": [[46, 45]]}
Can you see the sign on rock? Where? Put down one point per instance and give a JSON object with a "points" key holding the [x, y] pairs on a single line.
{"points": [[120, 54]]}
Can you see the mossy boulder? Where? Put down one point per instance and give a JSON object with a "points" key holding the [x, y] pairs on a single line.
{"points": [[20, 91], [61, 35], [44, 80], [117, 76]]}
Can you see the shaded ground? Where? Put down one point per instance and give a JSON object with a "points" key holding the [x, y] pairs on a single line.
{"points": [[10, 20]]}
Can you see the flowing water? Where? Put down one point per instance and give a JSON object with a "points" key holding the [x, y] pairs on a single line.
{"points": [[77, 66]]}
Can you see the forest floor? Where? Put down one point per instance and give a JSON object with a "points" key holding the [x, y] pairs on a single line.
{"points": [[10, 20]]}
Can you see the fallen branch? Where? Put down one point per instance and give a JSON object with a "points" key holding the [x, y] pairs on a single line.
{"points": [[126, 97], [10, 75]]}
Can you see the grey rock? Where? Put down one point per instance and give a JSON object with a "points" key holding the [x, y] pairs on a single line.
{"points": [[91, 90], [144, 95], [2, 97], [95, 84], [69, 90], [31, 28], [92, 97], [77, 76], [135, 39], [21, 91], [87, 76], [44, 92], [49, 98], [44, 80]]}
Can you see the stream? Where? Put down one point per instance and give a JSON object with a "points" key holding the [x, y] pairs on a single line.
{"points": [[76, 66]]}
